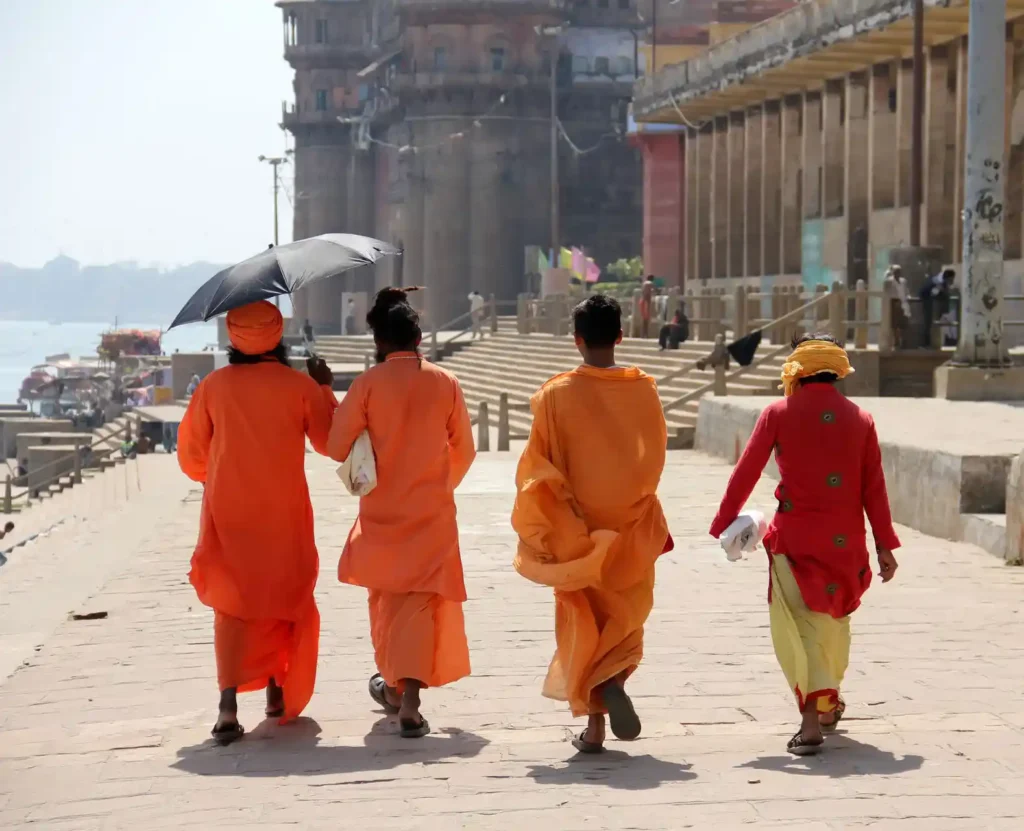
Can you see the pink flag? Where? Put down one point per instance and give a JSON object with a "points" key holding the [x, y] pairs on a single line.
{"points": [[579, 264], [593, 271]]}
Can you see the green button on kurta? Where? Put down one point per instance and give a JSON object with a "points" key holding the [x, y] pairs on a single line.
{"points": [[828, 417], [834, 480]]}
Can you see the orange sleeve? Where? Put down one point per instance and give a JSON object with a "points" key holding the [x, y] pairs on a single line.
{"points": [[461, 451], [348, 422], [320, 407], [194, 436], [747, 472]]}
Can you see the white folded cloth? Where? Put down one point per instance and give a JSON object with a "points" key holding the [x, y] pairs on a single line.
{"points": [[743, 535], [359, 471]]}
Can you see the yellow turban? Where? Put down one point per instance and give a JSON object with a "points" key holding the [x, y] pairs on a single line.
{"points": [[812, 357]]}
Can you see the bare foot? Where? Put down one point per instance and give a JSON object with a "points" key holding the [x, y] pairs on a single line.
{"points": [[594, 734], [275, 700]]}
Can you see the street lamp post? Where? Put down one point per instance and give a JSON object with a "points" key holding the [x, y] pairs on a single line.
{"points": [[275, 162]]}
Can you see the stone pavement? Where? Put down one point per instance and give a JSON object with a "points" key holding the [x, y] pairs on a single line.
{"points": [[104, 725]]}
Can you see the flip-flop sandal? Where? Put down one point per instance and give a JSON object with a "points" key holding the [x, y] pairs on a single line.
{"points": [[798, 747], [625, 723], [228, 734], [838, 714], [377, 688], [411, 730], [583, 746]]}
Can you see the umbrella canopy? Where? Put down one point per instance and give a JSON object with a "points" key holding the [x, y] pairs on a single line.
{"points": [[281, 270]]}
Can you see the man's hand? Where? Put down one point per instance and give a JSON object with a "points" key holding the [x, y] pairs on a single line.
{"points": [[320, 372], [887, 565]]}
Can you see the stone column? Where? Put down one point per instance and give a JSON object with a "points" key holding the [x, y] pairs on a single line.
{"points": [[691, 179], [882, 128], [832, 149], [812, 155], [1014, 231], [790, 173], [720, 199], [960, 139], [752, 209], [771, 187], [857, 177], [705, 215], [736, 177], [937, 203], [904, 133]]}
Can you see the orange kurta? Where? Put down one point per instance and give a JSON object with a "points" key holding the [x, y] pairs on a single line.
{"points": [[256, 562], [589, 521], [404, 545]]}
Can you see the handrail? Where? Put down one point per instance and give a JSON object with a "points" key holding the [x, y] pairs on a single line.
{"points": [[10, 497]]}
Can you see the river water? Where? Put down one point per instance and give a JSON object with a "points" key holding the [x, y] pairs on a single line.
{"points": [[23, 344]]}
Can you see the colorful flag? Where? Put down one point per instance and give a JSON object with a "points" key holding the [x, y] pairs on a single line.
{"points": [[593, 271], [542, 261], [565, 259], [579, 264]]}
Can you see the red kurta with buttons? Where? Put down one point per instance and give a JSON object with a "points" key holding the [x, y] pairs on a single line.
{"points": [[830, 469]]}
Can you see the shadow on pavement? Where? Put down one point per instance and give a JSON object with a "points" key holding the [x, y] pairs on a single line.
{"points": [[841, 758], [297, 750], [612, 769]]}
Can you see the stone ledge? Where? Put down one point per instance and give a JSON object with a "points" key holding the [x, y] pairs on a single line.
{"points": [[939, 465]]}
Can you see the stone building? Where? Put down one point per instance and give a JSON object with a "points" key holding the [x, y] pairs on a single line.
{"points": [[427, 123], [790, 161]]}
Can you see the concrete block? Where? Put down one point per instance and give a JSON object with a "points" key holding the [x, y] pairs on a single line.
{"points": [[961, 383], [11, 428], [1014, 550], [63, 439], [45, 463], [186, 364]]}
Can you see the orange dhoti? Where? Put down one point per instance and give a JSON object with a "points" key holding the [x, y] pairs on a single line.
{"points": [[599, 634], [251, 652], [418, 635]]}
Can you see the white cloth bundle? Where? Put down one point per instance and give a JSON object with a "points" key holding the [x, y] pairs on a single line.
{"points": [[359, 471], [743, 535]]}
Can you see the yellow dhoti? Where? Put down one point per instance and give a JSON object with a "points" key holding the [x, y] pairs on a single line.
{"points": [[419, 636], [813, 649]]}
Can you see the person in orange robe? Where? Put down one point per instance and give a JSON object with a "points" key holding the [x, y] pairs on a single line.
{"points": [[404, 545], [243, 436], [589, 521]]}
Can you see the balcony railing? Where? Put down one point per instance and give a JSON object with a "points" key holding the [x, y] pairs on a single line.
{"points": [[291, 116]]}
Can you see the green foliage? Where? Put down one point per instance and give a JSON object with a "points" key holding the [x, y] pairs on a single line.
{"points": [[626, 271]]}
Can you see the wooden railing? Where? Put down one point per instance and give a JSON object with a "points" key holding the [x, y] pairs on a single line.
{"points": [[11, 498]]}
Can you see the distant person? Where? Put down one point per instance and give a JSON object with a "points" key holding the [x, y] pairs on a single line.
{"points": [[590, 524], [676, 332], [476, 313], [308, 335], [193, 385], [646, 306], [256, 564], [8, 527], [900, 306], [350, 318], [934, 297]]}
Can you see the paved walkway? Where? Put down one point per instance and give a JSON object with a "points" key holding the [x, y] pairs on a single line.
{"points": [[104, 723]]}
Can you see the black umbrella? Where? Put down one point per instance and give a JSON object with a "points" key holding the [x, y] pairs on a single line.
{"points": [[281, 270]]}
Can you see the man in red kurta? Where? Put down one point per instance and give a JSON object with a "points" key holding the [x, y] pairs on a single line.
{"points": [[830, 469]]}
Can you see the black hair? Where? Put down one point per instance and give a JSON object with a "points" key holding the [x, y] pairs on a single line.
{"points": [[949, 274], [821, 377], [279, 353], [597, 321], [393, 321]]}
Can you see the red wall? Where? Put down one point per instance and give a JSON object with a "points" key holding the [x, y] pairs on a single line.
{"points": [[664, 206]]}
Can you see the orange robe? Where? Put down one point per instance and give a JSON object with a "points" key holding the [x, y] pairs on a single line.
{"points": [[404, 545], [590, 524], [256, 562]]}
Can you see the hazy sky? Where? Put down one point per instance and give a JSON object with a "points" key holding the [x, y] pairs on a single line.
{"points": [[131, 129]]}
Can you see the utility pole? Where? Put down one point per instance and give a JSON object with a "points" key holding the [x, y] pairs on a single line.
{"points": [[275, 162], [654, 36], [917, 129], [981, 342], [556, 233]]}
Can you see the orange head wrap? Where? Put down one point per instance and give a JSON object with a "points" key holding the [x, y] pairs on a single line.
{"points": [[256, 328], [812, 357]]}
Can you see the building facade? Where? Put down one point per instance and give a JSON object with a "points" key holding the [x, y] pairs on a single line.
{"points": [[790, 162], [427, 123]]}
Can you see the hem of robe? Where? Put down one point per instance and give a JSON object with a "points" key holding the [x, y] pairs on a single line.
{"points": [[419, 636], [590, 708], [828, 700], [247, 662]]}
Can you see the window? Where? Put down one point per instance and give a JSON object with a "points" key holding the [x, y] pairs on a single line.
{"points": [[623, 66], [602, 66], [497, 59], [580, 65], [440, 59], [321, 100], [321, 31], [625, 4]]}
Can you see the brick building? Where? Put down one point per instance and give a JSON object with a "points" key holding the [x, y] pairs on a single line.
{"points": [[427, 123]]}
